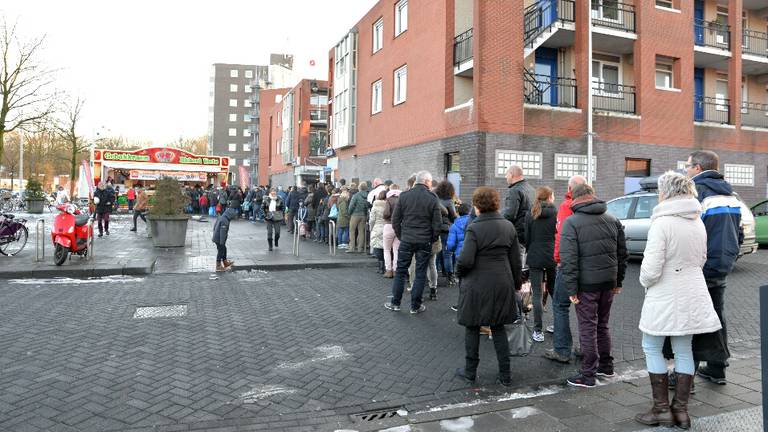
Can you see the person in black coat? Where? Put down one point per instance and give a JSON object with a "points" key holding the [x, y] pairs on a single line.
{"points": [[104, 199], [540, 244], [490, 271]]}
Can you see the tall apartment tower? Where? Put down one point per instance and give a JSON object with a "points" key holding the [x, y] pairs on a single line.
{"points": [[233, 113]]}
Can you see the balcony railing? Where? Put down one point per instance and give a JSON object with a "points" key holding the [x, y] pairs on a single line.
{"points": [[540, 16], [712, 34], [713, 110], [462, 48], [544, 90], [318, 115], [613, 97], [613, 14], [755, 43], [754, 114]]}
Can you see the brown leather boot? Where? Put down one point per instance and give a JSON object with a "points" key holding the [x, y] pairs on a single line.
{"points": [[228, 263], [679, 405], [389, 274], [220, 267], [659, 414]]}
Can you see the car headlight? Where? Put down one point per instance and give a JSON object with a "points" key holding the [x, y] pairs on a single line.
{"points": [[749, 229]]}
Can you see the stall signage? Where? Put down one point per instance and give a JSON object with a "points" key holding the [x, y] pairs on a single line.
{"points": [[158, 155], [156, 175]]}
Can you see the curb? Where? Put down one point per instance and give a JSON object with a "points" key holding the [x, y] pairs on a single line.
{"points": [[89, 272], [303, 265]]}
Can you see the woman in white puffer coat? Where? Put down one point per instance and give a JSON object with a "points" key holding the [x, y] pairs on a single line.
{"points": [[677, 303]]}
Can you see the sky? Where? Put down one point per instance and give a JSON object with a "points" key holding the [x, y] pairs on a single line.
{"points": [[143, 67]]}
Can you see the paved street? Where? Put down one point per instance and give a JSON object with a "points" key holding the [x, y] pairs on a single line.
{"points": [[265, 349]]}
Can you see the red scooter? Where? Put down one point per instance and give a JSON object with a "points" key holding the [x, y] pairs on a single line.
{"points": [[71, 233]]}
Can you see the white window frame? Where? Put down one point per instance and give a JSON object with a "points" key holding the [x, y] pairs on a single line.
{"points": [[376, 97], [233, 103], [739, 174], [670, 72], [597, 82], [668, 4], [247, 147], [233, 88], [249, 73], [232, 162], [233, 117], [681, 166], [400, 93], [378, 35], [247, 88], [401, 17], [246, 162], [720, 97], [247, 118], [247, 132], [599, 13], [744, 95], [247, 103], [233, 132], [566, 166], [720, 37], [532, 163], [233, 147]]}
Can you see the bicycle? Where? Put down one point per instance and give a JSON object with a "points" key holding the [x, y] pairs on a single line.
{"points": [[13, 235]]}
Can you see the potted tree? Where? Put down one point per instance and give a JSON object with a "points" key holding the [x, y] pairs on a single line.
{"points": [[167, 221], [35, 196]]}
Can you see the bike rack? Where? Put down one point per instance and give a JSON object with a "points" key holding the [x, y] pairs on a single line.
{"points": [[296, 237], [40, 240], [332, 238]]}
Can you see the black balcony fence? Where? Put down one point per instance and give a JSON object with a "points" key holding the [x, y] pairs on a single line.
{"points": [[462, 48], [546, 90], [755, 43], [613, 97], [712, 34], [754, 114], [613, 14], [540, 16], [713, 110]]}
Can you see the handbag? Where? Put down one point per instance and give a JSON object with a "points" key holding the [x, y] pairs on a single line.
{"points": [[519, 337], [218, 208], [246, 206], [334, 213]]}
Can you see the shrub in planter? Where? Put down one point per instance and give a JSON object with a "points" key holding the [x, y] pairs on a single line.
{"points": [[35, 196], [168, 223]]}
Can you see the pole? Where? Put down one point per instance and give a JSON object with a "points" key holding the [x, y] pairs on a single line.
{"points": [[21, 162], [590, 130]]}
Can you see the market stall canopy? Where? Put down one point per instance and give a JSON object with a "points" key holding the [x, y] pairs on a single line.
{"points": [[159, 159]]}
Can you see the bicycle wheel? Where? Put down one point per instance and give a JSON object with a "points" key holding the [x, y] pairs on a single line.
{"points": [[14, 243]]}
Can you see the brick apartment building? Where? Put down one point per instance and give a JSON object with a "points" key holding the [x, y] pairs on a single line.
{"points": [[464, 88], [293, 131]]}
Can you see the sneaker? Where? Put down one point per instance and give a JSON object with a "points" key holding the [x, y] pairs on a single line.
{"points": [[555, 356], [538, 336], [711, 375], [577, 352], [421, 309], [392, 307], [433, 297], [107, 232], [462, 374], [505, 382], [580, 380], [101, 235], [455, 308], [606, 372], [550, 329], [133, 229]]}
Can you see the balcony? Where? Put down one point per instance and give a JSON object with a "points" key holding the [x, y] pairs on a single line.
{"points": [[613, 26], [549, 23], [711, 110], [617, 98], [754, 115], [754, 47], [544, 90], [463, 61], [712, 47], [254, 113], [318, 116]]}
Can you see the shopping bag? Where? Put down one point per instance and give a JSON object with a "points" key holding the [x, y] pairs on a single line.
{"points": [[519, 337], [211, 211]]}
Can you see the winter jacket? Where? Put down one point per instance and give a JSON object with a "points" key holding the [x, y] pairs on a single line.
{"points": [[517, 205], [374, 194], [490, 271], [235, 199], [358, 205], [376, 224], [448, 214], [321, 214], [343, 206], [106, 200], [677, 301], [309, 204], [295, 197], [221, 227], [456, 235], [540, 241], [392, 197], [142, 203], [280, 206], [593, 252], [563, 213], [722, 219], [416, 218]]}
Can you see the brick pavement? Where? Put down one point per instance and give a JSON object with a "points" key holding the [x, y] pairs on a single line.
{"points": [[291, 350]]}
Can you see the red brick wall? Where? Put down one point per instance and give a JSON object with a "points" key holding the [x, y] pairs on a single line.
{"points": [[269, 132]]}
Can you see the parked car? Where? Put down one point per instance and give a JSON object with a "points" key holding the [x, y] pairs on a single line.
{"points": [[634, 210], [760, 212]]}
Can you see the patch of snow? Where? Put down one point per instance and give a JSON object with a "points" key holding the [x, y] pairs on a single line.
{"points": [[263, 392], [524, 412], [402, 413], [461, 424], [512, 396], [629, 375], [405, 428], [324, 353], [68, 281], [541, 392]]}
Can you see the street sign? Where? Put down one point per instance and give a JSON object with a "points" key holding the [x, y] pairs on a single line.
{"points": [[329, 152]]}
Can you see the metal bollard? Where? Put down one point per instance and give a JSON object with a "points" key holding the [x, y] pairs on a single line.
{"points": [[332, 238], [91, 242], [296, 237], [40, 240]]}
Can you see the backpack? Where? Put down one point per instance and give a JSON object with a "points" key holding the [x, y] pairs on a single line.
{"points": [[203, 200], [334, 213]]}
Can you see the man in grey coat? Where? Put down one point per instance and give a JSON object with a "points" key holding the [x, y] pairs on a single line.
{"points": [[220, 234], [519, 200]]}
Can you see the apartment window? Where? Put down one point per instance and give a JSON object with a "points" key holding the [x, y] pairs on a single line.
{"points": [[401, 17], [233, 103], [246, 162], [233, 73], [637, 167], [530, 162], [721, 93], [233, 117], [401, 84], [246, 147], [744, 96], [664, 75], [233, 147], [232, 162], [246, 132], [248, 89], [569, 165], [247, 118], [249, 74], [722, 19], [232, 132], [233, 88], [681, 166], [740, 175], [378, 35], [606, 74], [247, 103], [665, 3], [376, 97]]}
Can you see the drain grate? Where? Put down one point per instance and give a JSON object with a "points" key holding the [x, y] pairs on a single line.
{"points": [[375, 416], [164, 311]]}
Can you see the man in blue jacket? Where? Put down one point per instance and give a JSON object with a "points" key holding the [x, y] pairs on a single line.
{"points": [[722, 219]]}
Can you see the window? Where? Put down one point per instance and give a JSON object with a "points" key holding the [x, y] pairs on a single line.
{"points": [[401, 84], [401, 17], [530, 162], [318, 100], [232, 162], [249, 74], [232, 132], [606, 74], [247, 103], [233, 117], [665, 3], [233, 73], [233, 88], [378, 35], [664, 73], [248, 89], [722, 20], [376, 97], [246, 162], [246, 132], [740, 175], [637, 167], [233, 103], [761, 209], [620, 208], [246, 147], [569, 165], [645, 205], [233, 147], [744, 96], [452, 162], [681, 166], [721, 93], [606, 10], [247, 118]]}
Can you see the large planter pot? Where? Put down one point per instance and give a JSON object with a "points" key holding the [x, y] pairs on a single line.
{"points": [[168, 231], [35, 206]]}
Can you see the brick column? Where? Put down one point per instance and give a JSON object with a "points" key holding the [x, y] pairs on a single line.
{"points": [[734, 65]]}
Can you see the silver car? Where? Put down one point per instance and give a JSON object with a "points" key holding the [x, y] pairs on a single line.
{"points": [[634, 211]]}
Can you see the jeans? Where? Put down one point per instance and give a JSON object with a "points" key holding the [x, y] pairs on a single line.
{"points": [[561, 305], [717, 292], [322, 231], [391, 243], [472, 349], [593, 312], [431, 271], [273, 227], [136, 215], [357, 233], [221, 253], [407, 250], [682, 346], [130, 205], [342, 235], [204, 210], [103, 217], [536, 289], [445, 258]]}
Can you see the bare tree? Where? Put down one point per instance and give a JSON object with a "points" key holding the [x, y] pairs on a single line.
{"points": [[26, 86], [74, 144], [10, 159]]}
